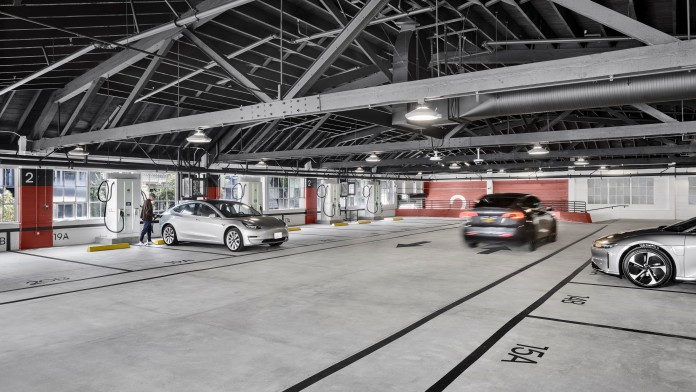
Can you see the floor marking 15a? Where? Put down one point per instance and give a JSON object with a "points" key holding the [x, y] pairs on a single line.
{"points": [[45, 281], [575, 299], [521, 352]]}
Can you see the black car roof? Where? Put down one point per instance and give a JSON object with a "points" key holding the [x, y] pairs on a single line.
{"points": [[507, 195]]}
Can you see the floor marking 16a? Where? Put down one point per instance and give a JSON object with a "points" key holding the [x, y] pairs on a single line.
{"points": [[521, 352], [575, 299], [45, 281], [178, 262]]}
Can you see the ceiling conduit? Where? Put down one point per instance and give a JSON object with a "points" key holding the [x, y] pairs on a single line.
{"points": [[624, 91]]}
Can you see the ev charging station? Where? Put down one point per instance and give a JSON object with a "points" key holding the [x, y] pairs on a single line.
{"points": [[328, 201], [253, 192], [123, 203], [372, 193]]}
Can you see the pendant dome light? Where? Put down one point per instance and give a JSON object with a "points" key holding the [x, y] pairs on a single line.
{"points": [[261, 164], [581, 162], [198, 137], [436, 156], [454, 166], [373, 158], [423, 113], [360, 170], [78, 151], [537, 150]]}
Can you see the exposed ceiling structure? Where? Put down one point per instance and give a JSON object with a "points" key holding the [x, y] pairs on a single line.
{"points": [[330, 81]]}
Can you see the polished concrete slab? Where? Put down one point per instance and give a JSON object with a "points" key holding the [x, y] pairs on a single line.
{"points": [[389, 306]]}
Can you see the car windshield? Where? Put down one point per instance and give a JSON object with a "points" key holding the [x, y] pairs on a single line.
{"points": [[497, 201], [232, 209], [683, 226]]}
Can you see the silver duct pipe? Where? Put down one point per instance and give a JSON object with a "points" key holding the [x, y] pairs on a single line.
{"points": [[625, 91]]}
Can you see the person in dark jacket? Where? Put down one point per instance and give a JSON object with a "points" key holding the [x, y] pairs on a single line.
{"points": [[147, 214]]}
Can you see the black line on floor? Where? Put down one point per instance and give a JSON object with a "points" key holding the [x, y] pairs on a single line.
{"points": [[71, 261], [642, 331], [369, 350], [208, 268], [635, 288], [461, 367], [175, 265]]}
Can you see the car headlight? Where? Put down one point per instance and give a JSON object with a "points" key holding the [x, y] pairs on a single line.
{"points": [[250, 225], [603, 244]]}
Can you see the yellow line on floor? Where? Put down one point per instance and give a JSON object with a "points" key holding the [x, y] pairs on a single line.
{"points": [[158, 242], [339, 224], [294, 228], [364, 222], [397, 218], [99, 248]]}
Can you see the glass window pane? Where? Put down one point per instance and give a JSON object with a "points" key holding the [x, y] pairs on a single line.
{"points": [[68, 211], [69, 178], [68, 194], [81, 195], [57, 194], [81, 178]]}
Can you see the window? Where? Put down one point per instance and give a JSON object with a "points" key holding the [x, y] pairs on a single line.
{"points": [[621, 191], [284, 192], [69, 194], [692, 190], [230, 188], [187, 209], [8, 202], [205, 210], [96, 207], [162, 185], [387, 191]]}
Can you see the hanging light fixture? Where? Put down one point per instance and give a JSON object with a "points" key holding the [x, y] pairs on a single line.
{"points": [[360, 170], [467, 164], [436, 156], [581, 162], [198, 137], [454, 166], [603, 168], [419, 174], [537, 150], [373, 158], [422, 113], [501, 171], [78, 151], [261, 164]]}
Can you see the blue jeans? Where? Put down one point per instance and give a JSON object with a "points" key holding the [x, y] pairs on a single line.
{"points": [[147, 228]]}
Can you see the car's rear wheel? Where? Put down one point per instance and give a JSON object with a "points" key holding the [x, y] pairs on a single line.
{"points": [[531, 245], [233, 240], [169, 235], [554, 233], [472, 244], [647, 266]]}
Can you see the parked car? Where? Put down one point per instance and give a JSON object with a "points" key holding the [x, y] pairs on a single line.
{"points": [[221, 222], [516, 217], [649, 257]]}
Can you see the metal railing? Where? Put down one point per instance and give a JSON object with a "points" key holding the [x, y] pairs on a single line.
{"points": [[425, 204]]}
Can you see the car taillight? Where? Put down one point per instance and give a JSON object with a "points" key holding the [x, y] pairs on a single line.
{"points": [[467, 214], [514, 215]]}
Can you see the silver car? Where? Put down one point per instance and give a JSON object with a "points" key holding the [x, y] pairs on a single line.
{"points": [[221, 221], [649, 257]]}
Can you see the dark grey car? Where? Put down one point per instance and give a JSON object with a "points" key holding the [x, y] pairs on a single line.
{"points": [[649, 257], [514, 217]]}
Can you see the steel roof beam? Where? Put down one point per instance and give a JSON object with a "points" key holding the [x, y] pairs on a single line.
{"points": [[336, 47], [645, 60], [86, 99], [617, 21], [654, 112]]}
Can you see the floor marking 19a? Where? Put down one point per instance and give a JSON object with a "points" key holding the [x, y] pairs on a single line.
{"points": [[575, 299], [520, 353]]}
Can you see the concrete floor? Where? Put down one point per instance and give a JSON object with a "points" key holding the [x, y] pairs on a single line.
{"points": [[341, 309]]}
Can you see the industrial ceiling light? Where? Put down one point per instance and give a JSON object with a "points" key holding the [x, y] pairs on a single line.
{"points": [[78, 151], [467, 164], [501, 171], [537, 150], [602, 168], [672, 164], [581, 162], [419, 174], [198, 137], [436, 156], [454, 166], [422, 113], [261, 164], [360, 170], [373, 158]]}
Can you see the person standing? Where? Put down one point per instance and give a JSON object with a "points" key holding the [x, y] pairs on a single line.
{"points": [[147, 214]]}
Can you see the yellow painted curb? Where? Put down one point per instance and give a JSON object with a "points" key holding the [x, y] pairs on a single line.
{"points": [[294, 228], [98, 248], [398, 218], [339, 224], [364, 222], [158, 242]]}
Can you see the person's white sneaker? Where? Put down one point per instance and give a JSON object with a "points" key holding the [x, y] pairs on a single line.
{"points": [[140, 243], [148, 243]]}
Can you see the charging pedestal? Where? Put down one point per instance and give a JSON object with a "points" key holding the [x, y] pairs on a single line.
{"points": [[373, 202], [252, 194], [328, 202], [123, 209]]}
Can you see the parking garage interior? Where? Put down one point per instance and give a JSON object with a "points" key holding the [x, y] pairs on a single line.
{"points": [[353, 146]]}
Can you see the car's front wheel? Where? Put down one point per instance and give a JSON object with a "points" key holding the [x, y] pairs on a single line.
{"points": [[233, 240], [647, 266], [169, 235]]}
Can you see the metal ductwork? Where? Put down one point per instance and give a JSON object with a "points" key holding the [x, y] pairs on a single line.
{"points": [[625, 91]]}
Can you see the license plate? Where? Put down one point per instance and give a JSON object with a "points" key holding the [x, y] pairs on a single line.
{"points": [[489, 219], [277, 235]]}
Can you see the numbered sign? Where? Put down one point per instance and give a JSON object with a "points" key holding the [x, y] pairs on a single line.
{"points": [[37, 177], [311, 183]]}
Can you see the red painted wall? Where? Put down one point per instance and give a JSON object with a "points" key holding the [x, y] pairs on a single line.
{"points": [[444, 190], [543, 189], [311, 201], [36, 209]]}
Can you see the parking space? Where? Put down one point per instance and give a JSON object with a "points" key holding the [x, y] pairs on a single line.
{"points": [[389, 306]]}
